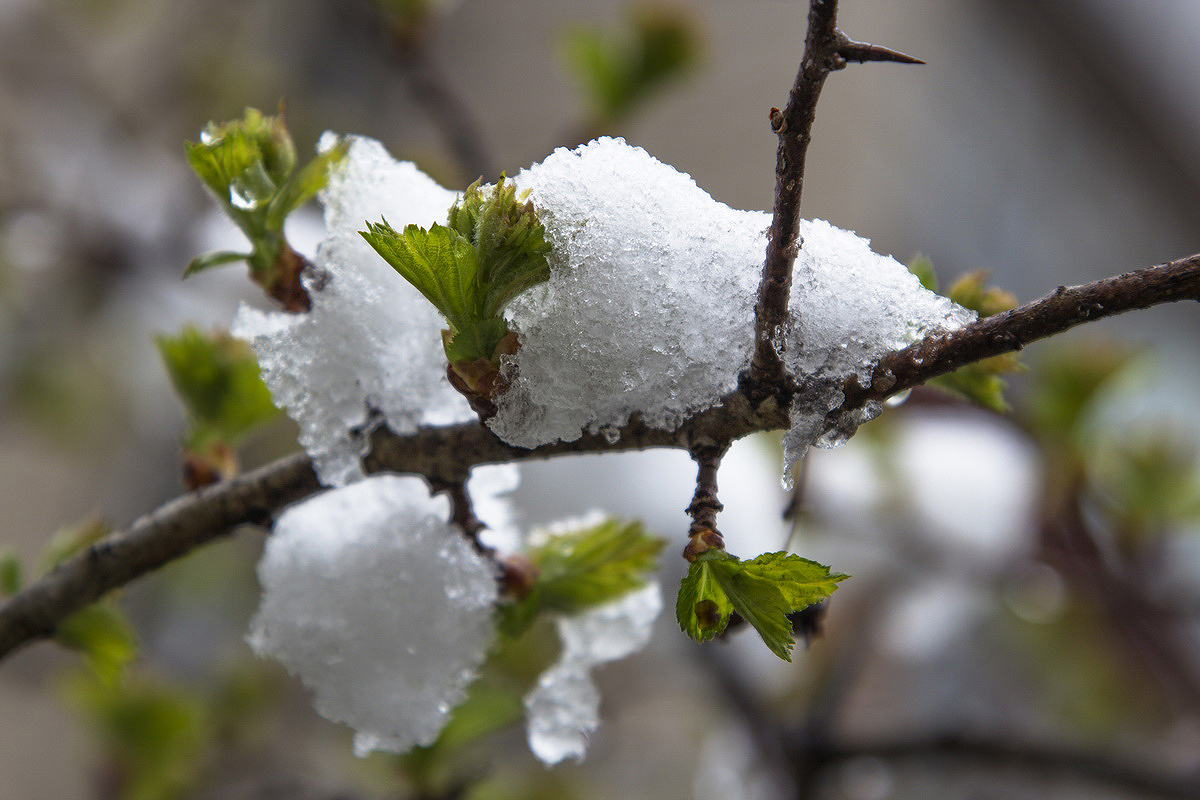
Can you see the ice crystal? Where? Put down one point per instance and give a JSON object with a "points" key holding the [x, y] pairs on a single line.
{"points": [[379, 605]]}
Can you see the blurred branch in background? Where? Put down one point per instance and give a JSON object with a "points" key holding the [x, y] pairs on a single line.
{"points": [[412, 24]]}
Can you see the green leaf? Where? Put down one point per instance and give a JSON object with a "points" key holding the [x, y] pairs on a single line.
{"points": [[617, 71], [152, 735], [922, 267], [511, 242], [980, 382], [103, 636], [971, 291], [214, 259], [585, 568], [703, 607], [801, 581], [475, 340], [304, 185], [439, 262], [218, 380], [10, 573], [71, 539], [763, 591]]}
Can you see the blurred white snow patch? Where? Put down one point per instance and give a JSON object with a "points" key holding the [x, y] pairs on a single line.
{"points": [[728, 766], [371, 342], [564, 707], [850, 307], [379, 605], [927, 618], [971, 480], [968, 482], [650, 303], [490, 487], [752, 521]]}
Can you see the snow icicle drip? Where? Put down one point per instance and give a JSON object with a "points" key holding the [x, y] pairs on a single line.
{"points": [[564, 707]]}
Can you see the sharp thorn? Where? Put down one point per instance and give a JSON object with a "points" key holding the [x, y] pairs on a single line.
{"points": [[861, 52]]}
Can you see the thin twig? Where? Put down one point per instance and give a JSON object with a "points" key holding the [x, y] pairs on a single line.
{"points": [[1061, 310], [444, 453], [444, 106], [703, 534], [1099, 768], [826, 49]]}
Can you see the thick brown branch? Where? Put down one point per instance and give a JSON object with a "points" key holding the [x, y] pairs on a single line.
{"points": [[826, 50], [446, 454]]}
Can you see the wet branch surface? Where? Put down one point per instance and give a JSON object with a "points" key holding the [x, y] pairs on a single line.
{"points": [[443, 455]]}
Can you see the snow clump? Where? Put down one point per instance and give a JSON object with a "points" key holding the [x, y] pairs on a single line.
{"points": [[371, 341], [649, 310], [380, 606], [650, 304]]}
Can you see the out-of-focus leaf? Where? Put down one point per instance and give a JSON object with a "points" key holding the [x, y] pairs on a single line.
{"points": [[214, 259], [104, 638], [153, 734], [69, 540], [583, 569], [617, 71], [971, 291], [217, 379], [1066, 384], [922, 267], [10, 573], [980, 382], [1147, 482]]}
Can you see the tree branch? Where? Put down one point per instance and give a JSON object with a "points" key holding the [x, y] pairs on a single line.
{"points": [[826, 49], [446, 454], [1102, 769]]}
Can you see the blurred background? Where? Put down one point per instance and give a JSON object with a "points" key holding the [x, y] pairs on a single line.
{"points": [[1022, 620]]}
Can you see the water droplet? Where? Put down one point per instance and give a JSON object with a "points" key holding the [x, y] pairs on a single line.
{"points": [[207, 137], [242, 199], [897, 399]]}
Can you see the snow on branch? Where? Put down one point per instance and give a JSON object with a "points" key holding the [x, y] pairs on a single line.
{"points": [[188, 522]]}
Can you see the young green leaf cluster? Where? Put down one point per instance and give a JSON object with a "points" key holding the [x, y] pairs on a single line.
{"points": [[763, 591], [578, 570], [493, 249], [217, 378], [250, 167]]}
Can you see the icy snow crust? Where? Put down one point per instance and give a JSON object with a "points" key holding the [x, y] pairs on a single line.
{"points": [[649, 310], [371, 341], [650, 303], [379, 605], [850, 306], [564, 707]]}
